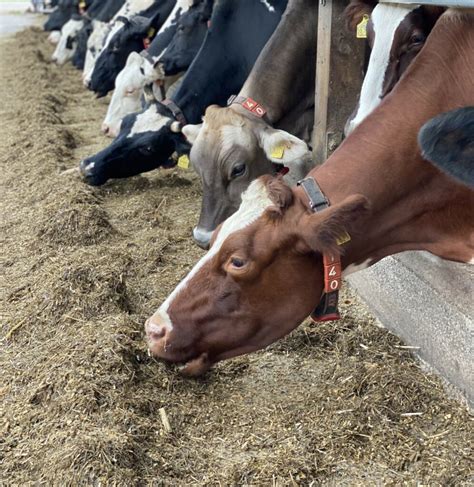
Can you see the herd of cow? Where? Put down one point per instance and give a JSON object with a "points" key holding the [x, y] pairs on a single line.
{"points": [[227, 87]]}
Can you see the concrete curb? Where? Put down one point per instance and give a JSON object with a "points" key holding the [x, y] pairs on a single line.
{"points": [[429, 303]]}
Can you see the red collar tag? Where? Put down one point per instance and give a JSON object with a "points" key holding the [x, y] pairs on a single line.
{"points": [[284, 170], [327, 308], [250, 105], [254, 107]]}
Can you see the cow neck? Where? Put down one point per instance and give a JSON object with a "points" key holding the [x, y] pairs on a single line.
{"points": [[282, 74], [198, 90], [413, 206]]}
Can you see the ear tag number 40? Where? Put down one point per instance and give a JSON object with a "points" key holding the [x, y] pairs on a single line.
{"points": [[362, 27]]}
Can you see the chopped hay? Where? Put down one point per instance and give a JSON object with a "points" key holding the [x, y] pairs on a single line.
{"points": [[333, 404]]}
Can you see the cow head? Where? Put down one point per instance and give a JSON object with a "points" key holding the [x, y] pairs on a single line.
{"points": [[190, 32], [396, 33], [261, 278], [68, 42], [128, 91], [145, 142], [230, 149], [61, 14], [130, 37]]}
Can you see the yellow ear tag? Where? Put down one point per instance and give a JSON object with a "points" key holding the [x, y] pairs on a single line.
{"points": [[183, 162], [150, 33], [278, 152], [342, 239], [362, 27]]}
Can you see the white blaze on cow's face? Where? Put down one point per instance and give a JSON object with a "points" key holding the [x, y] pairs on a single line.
{"points": [[150, 120], [254, 202], [67, 43], [385, 20]]}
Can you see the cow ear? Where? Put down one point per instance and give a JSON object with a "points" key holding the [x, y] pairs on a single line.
{"points": [[324, 231], [191, 132], [447, 141], [356, 10], [140, 25], [281, 147], [134, 58]]}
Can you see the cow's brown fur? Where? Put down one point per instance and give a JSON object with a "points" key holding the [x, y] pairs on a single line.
{"points": [[267, 277]]}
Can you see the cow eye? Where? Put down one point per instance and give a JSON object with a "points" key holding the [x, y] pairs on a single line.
{"points": [[237, 262], [142, 70], [237, 170], [417, 39]]}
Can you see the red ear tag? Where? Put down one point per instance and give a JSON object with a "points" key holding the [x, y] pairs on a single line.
{"points": [[146, 43]]}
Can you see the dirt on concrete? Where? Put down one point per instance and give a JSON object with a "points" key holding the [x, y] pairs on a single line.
{"points": [[81, 402]]}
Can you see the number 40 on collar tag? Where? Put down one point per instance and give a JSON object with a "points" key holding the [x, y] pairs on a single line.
{"points": [[361, 32]]}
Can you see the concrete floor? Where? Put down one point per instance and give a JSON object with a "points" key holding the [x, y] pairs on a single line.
{"points": [[13, 17]]}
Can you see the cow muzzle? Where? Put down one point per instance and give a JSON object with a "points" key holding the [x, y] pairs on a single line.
{"points": [[202, 237], [162, 345]]}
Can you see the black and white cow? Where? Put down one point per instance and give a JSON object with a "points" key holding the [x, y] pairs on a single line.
{"points": [[183, 36], [146, 141], [447, 141], [132, 36], [62, 13], [103, 31], [98, 12]]}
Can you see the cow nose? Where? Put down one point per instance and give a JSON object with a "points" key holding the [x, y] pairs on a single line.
{"points": [[202, 237], [154, 331], [105, 129]]}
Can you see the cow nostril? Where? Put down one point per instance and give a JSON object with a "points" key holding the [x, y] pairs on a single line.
{"points": [[154, 331], [105, 129]]}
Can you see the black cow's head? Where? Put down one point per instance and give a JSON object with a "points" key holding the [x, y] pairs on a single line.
{"points": [[61, 14], [145, 142], [129, 37], [190, 32]]}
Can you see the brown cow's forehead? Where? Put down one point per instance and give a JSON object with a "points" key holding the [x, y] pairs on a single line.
{"points": [[254, 202]]}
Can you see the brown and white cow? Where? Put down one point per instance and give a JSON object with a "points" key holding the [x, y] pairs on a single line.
{"points": [[264, 273], [233, 146], [396, 33]]}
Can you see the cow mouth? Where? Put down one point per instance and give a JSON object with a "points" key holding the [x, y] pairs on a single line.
{"points": [[193, 366], [86, 169], [279, 169]]}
